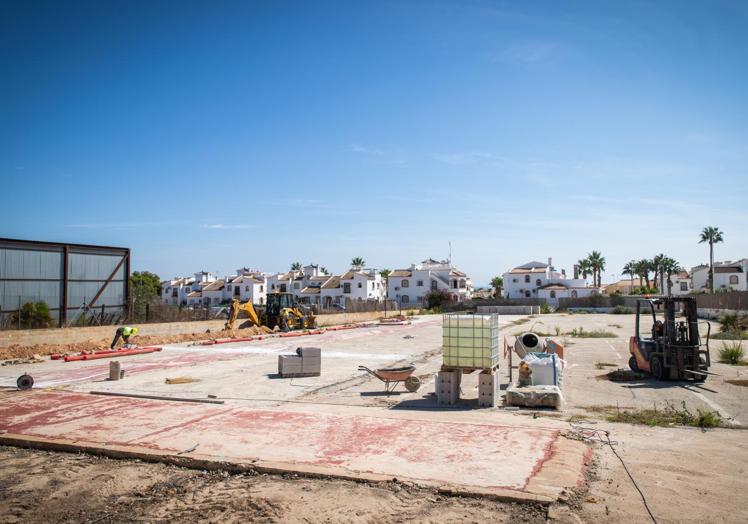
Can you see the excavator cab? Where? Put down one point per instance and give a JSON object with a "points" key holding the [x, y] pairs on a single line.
{"points": [[281, 310], [673, 349]]}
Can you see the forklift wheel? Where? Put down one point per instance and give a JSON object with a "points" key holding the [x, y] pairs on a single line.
{"points": [[633, 365], [655, 365]]}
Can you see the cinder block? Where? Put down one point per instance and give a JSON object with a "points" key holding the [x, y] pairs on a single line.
{"points": [[309, 352], [311, 365], [448, 387], [288, 364]]}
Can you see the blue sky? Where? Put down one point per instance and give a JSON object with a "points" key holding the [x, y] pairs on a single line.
{"points": [[218, 135]]}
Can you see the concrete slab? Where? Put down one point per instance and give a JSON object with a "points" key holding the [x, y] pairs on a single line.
{"points": [[513, 462]]}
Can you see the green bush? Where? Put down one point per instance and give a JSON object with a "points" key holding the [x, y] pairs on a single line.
{"points": [[728, 322], [644, 290], [546, 309], [731, 353], [33, 315], [622, 310]]}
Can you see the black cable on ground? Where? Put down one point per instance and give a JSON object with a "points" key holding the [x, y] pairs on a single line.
{"points": [[644, 499]]}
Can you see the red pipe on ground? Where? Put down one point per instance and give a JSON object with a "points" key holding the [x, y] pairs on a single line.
{"points": [[112, 353]]}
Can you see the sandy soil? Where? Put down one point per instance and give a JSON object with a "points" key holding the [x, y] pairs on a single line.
{"points": [[40, 486], [15, 351]]}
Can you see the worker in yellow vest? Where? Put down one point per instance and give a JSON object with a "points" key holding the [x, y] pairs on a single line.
{"points": [[125, 333]]}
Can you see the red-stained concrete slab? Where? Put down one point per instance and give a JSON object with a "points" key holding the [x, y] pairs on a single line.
{"points": [[482, 458]]}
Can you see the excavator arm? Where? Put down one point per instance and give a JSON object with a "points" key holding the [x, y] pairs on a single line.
{"points": [[236, 308]]}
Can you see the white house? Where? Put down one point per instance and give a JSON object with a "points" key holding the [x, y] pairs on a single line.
{"points": [[213, 293], [410, 286], [281, 282], [682, 284], [175, 292], [538, 280], [727, 274], [246, 288]]}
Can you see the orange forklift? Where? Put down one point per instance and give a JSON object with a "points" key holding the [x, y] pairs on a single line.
{"points": [[674, 349]]}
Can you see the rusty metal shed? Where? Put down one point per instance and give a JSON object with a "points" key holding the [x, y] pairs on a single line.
{"points": [[75, 280]]}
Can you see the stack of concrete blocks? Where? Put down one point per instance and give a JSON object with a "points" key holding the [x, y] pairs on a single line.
{"points": [[448, 387], [307, 362], [488, 389]]}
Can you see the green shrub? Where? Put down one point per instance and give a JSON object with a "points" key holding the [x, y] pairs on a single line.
{"points": [[669, 416], [622, 310], [33, 315], [728, 322], [731, 353], [546, 309]]}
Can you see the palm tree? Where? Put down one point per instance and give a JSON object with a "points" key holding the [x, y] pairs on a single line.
{"points": [[642, 268], [657, 264], [585, 267], [358, 262], [712, 235], [630, 270], [670, 266], [597, 263], [497, 283], [296, 266], [385, 274], [323, 270]]}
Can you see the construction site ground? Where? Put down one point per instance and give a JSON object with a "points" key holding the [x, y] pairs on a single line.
{"points": [[337, 448]]}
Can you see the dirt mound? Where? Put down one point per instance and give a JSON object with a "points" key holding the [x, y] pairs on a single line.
{"points": [[15, 351]]}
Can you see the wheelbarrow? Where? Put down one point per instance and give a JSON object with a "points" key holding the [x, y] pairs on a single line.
{"points": [[393, 376]]}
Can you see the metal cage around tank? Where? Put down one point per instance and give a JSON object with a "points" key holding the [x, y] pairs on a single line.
{"points": [[76, 281], [470, 341]]}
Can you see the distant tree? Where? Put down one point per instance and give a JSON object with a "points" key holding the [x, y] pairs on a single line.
{"points": [[33, 315], [296, 266], [323, 270], [630, 270], [584, 266], [437, 298], [669, 267], [642, 269], [657, 265], [358, 262], [597, 263], [145, 287], [712, 235], [385, 274], [497, 283]]}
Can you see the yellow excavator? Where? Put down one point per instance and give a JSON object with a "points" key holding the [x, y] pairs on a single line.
{"points": [[281, 311]]}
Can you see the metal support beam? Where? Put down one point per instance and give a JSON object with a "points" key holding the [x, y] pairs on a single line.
{"points": [[124, 259]]}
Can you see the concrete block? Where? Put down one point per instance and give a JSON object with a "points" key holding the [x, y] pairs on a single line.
{"points": [[534, 396], [310, 365], [309, 352], [448, 387], [289, 364], [488, 389]]}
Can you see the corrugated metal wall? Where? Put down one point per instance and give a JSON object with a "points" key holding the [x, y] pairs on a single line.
{"points": [[36, 271]]}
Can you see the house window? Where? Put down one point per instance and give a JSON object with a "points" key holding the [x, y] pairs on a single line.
{"points": [[454, 284], [359, 285], [260, 288], [463, 283], [405, 299], [527, 279], [347, 287], [514, 280], [419, 283], [684, 286], [733, 279], [573, 294], [237, 291], [296, 285], [420, 299], [434, 285], [262, 300], [527, 294], [283, 288], [405, 283], [538, 282], [174, 293], [553, 294], [246, 288], [272, 286]]}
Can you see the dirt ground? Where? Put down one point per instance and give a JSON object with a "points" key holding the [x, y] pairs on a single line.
{"points": [[15, 351], [39, 486]]}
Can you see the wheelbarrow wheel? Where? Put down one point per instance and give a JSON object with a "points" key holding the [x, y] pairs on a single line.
{"points": [[412, 384]]}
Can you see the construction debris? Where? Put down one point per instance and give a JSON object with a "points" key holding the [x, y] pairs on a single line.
{"points": [[33, 359], [181, 380]]}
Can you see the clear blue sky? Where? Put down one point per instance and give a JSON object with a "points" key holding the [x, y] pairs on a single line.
{"points": [[213, 135]]}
